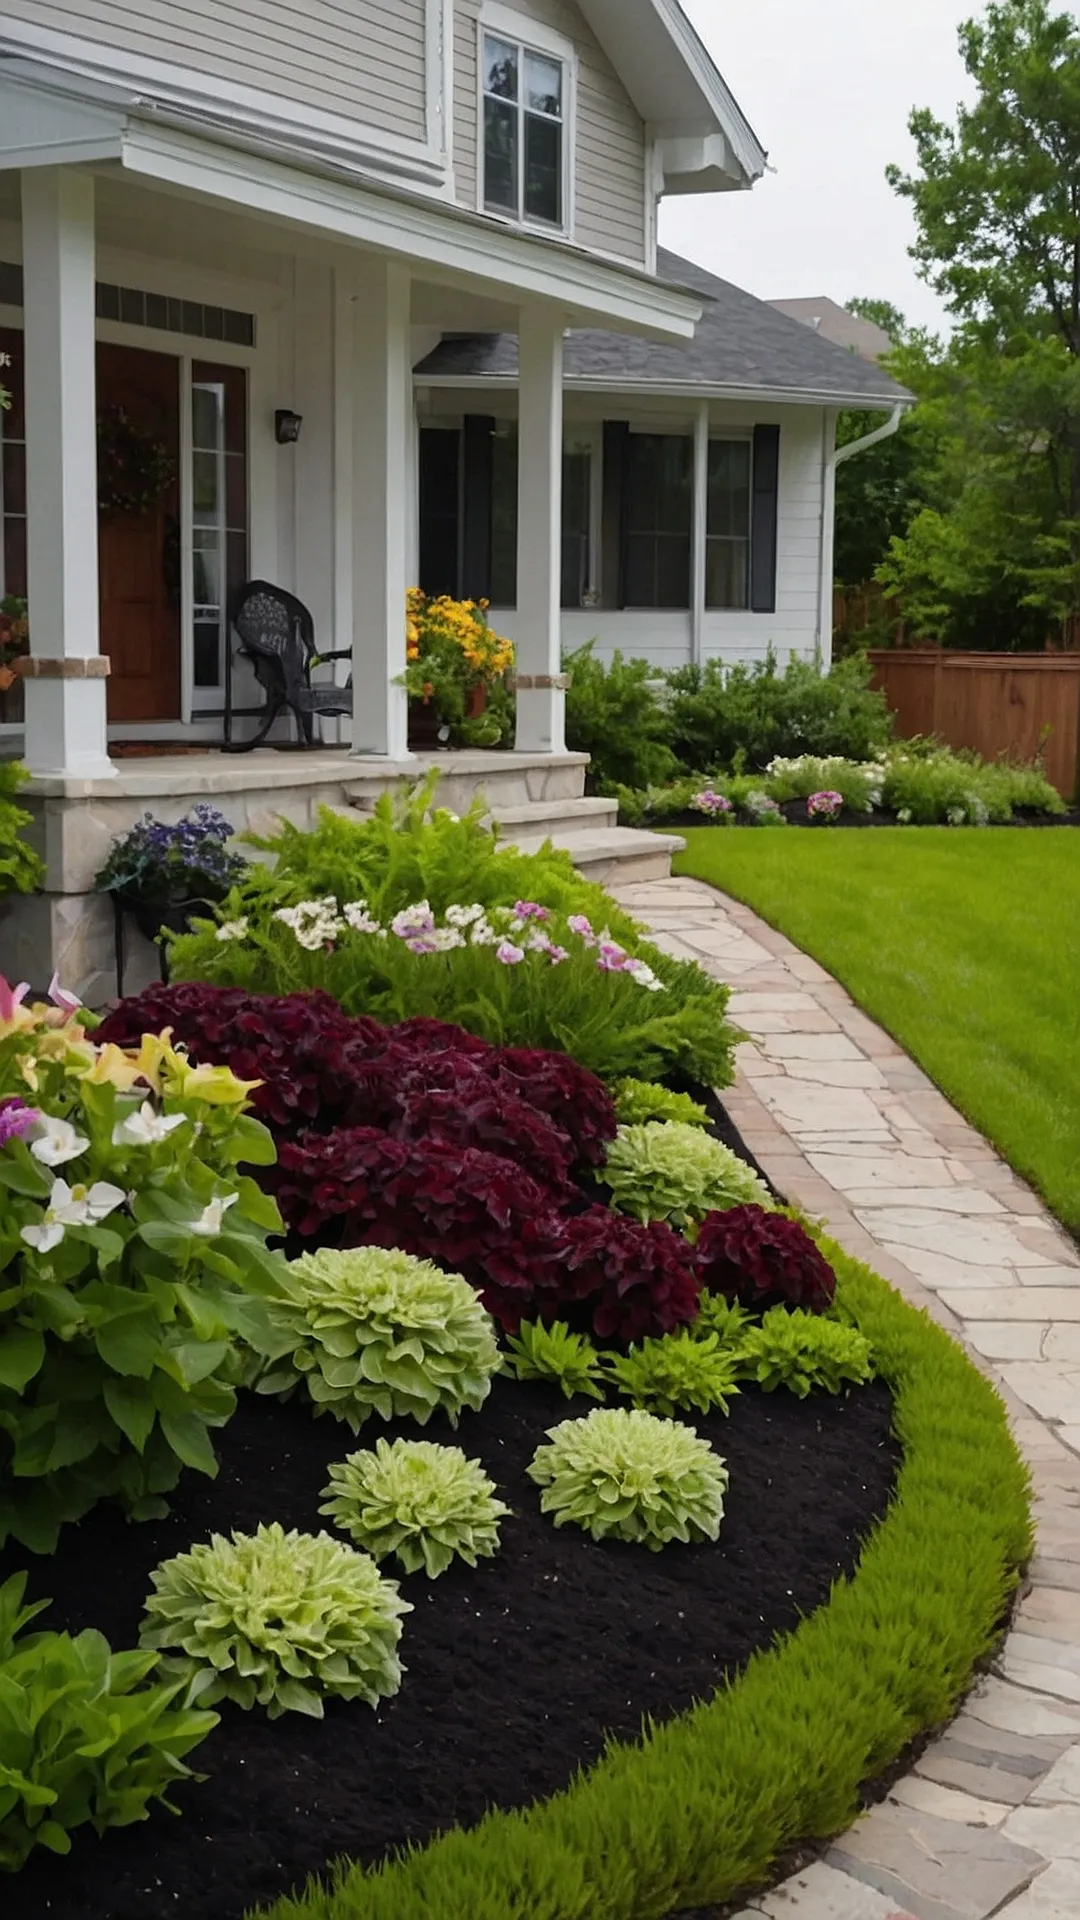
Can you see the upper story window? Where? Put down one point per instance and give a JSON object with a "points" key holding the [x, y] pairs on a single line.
{"points": [[525, 106]]}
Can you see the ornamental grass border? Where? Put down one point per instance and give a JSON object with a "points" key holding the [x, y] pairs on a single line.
{"points": [[703, 1809]]}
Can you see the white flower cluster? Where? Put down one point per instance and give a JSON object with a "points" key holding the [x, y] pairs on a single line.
{"points": [[514, 932]]}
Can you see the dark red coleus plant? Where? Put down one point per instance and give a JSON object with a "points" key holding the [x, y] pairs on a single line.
{"points": [[763, 1260], [482, 1216], [319, 1068]]}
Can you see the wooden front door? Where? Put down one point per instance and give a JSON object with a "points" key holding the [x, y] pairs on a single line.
{"points": [[138, 404]]}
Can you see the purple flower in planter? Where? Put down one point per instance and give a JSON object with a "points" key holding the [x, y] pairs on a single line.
{"points": [[825, 806], [16, 1120]]}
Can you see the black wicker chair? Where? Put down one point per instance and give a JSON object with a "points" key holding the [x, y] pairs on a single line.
{"points": [[277, 634]]}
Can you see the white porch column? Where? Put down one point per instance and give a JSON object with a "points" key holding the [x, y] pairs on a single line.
{"points": [[701, 533], [383, 422], [65, 684], [541, 699]]}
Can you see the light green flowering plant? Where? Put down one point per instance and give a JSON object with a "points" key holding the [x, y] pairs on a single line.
{"points": [[625, 1475], [667, 1171], [278, 1620], [372, 1331], [425, 1505], [638, 1101]]}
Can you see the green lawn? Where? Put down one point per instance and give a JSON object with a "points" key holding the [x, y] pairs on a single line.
{"points": [[964, 944]]}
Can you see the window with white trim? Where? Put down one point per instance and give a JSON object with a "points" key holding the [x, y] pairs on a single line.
{"points": [[525, 109]]}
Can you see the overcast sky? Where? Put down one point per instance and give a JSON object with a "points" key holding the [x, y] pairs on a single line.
{"points": [[828, 86]]}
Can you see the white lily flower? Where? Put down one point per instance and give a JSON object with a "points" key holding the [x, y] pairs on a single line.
{"points": [[145, 1128], [76, 1206], [57, 1141], [212, 1218]]}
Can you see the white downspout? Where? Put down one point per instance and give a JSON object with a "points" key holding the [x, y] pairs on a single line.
{"points": [[834, 459]]}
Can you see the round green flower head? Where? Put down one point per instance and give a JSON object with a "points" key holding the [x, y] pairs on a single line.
{"points": [[379, 1332], [424, 1504], [281, 1620], [669, 1171], [626, 1475]]}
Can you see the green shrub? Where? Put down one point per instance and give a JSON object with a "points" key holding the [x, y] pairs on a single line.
{"points": [[83, 1739], [131, 1257], [720, 1316], [747, 715], [650, 806], [804, 1352], [371, 1331], [625, 1475], [932, 785], [21, 871], [701, 1811], [616, 714], [554, 1353], [682, 1371], [278, 1620], [426, 1505], [860, 783], [564, 986], [408, 850], [638, 1101], [666, 1171]]}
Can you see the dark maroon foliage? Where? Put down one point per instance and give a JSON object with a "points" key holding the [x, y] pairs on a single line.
{"points": [[296, 1044], [483, 1217], [574, 1098], [423, 1137], [763, 1260], [638, 1281], [320, 1069]]}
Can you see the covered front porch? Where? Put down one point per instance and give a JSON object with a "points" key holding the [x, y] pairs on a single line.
{"points": [[164, 302]]}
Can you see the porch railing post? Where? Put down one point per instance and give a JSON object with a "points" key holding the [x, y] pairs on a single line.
{"points": [[66, 732], [541, 698], [383, 425]]}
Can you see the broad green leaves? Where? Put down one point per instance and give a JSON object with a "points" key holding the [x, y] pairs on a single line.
{"points": [[85, 1736]]}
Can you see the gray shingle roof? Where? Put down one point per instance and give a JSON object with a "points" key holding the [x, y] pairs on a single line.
{"points": [[742, 345]]}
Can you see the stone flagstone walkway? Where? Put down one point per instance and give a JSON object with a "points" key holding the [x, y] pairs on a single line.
{"points": [[846, 1125]]}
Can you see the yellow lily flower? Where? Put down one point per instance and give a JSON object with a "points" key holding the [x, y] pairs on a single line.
{"points": [[216, 1085], [158, 1059], [114, 1067]]}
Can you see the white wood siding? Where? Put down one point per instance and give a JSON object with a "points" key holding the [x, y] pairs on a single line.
{"points": [[361, 59], [609, 142], [664, 638]]}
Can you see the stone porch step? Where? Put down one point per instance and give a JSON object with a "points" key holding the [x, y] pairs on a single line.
{"points": [[612, 856], [556, 816]]}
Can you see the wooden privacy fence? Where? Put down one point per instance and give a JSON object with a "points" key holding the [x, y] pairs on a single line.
{"points": [[1015, 704]]}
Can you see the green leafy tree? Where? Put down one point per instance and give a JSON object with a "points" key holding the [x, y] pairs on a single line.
{"points": [[993, 555]]}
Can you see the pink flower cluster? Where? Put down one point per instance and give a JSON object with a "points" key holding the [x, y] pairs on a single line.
{"points": [[716, 805], [16, 1120], [824, 806]]}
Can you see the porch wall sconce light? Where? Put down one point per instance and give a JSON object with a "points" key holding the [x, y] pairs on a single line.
{"points": [[287, 425]]}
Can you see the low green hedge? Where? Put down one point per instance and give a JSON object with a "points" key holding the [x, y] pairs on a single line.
{"points": [[704, 1808]]}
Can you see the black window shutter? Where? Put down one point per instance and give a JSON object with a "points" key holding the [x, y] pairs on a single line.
{"points": [[440, 485], [614, 528], [479, 430], [763, 523]]}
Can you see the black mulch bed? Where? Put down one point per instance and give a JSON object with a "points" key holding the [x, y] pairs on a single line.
{"points": [[795, 813], [515, 1673]]}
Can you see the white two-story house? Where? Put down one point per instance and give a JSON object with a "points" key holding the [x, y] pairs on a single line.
{"points": [[226, 223]]}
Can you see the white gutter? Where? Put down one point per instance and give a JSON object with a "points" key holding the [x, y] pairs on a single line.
{"points": [[831, 459], [840, 454]]}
